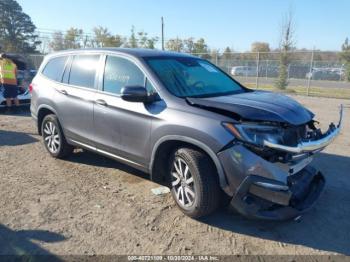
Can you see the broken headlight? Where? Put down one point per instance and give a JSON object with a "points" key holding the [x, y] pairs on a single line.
{"points": [[255, 133]]}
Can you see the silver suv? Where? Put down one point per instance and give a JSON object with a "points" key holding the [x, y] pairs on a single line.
{"points": [[186, 123]]}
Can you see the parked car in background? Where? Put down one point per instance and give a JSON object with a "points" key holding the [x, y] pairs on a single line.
{"points": [[186, 123], [243, 71], [331, 74], [24, 78]]}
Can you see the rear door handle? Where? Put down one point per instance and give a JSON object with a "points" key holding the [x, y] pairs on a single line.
{"points": [[101, 102], [62, 91]]}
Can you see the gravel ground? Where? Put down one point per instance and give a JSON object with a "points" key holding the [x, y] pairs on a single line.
{"points": [[89, 204]]}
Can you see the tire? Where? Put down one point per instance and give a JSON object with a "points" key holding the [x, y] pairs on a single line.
{"points": [[194, 182], [53, 137]]}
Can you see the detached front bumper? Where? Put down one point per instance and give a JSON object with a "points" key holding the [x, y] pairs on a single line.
{"points": [[262, 203], [272, 191]]}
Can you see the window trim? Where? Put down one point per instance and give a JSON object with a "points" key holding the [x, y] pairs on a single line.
{"points": [[67, 66]]}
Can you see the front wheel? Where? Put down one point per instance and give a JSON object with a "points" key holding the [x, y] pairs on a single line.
{"points": [[53, 137], [194, 181]]}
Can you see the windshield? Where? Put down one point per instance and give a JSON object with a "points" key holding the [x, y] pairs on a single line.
{"points": [[192, 77]]}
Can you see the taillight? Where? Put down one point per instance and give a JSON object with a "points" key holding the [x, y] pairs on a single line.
{"points": [[31, 87]]}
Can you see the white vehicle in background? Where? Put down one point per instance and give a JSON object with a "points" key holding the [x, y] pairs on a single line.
{"points": [[23, 97], [24, 78], [331, 74], [243, 71]]}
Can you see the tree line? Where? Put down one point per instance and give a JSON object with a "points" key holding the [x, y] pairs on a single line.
{"points": [[75, 38], [101, 37]]}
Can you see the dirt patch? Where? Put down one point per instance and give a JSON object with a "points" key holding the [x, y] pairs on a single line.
{"points": [[89, 204]]}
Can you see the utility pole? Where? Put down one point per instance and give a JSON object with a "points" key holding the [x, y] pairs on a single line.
{"points": [[310, 72], [162, 33], [257, 69]]}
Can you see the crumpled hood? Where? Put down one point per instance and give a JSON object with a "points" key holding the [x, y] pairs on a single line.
{"points": [[258, 106]]}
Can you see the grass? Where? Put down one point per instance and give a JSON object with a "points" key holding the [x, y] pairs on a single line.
{"points": [[302, 90]]}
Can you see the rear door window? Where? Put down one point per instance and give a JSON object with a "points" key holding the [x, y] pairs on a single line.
{"points": [[83, 70], [54, 68]]}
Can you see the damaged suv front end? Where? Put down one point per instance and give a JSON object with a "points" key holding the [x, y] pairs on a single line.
{"points": [[270, 162], [266, 165], [262, 143]]}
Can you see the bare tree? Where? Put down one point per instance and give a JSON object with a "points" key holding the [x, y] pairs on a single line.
{"points": [[189, 45], [73, 38], [103, 38], [57, 42], [175, 44], [287, 43]]}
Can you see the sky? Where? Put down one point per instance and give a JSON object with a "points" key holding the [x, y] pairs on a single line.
{"points": [[320, 24]]}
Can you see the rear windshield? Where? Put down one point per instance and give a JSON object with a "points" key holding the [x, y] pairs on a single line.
{"points": [[192, 77]]}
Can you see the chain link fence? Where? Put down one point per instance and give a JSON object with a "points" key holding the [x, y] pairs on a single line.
{"points": [[35, 61], [313, 73]]}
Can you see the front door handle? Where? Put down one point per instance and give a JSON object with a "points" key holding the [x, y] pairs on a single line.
{"points": [[101, 102], [62, 91]]}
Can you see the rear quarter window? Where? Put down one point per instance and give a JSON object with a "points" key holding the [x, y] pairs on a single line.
{"points": [[54, 68]]}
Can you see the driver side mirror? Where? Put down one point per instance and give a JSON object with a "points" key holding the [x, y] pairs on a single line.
{"points": [[134, 94]]}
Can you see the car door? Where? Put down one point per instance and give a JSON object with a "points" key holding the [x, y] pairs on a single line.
{"points": [[75, 97], [122, 128]]}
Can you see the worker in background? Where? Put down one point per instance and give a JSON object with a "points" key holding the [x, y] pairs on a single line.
{"points": [[8, 78]]}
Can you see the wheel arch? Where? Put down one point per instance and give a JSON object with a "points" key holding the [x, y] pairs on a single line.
{"points": [[43, 111], [168, 144]]}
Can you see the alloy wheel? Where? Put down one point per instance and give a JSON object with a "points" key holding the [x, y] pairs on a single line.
{"points": [[183, 183], [52, 137]]}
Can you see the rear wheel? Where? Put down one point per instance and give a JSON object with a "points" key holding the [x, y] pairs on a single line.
{"points": [[194, 182], [53, 137]]}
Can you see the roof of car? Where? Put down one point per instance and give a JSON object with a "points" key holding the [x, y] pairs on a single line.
{"points": [[137, 52]]}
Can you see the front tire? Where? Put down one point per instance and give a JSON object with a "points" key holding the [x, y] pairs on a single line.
{"points": [[194, 182], [53, 137]]}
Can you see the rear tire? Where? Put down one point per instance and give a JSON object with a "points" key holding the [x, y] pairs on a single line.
{"points": [[194, 182], [53, 137]]}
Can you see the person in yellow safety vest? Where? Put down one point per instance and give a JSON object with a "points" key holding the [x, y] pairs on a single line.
{"points": [[8, 78]]}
